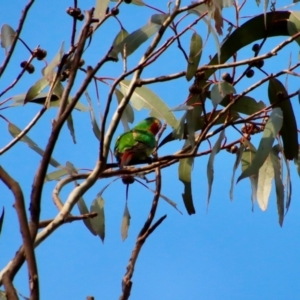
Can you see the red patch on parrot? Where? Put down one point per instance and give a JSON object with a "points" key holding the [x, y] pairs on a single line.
{"points": [[155, 127]]}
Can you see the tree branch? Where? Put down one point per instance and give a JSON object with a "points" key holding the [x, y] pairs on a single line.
{"points": [[27, 241]]}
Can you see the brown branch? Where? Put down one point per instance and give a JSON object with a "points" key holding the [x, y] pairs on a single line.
{"points": [[18, 32], [10, 290], [27, 240], [141, 239], [69, 219]]}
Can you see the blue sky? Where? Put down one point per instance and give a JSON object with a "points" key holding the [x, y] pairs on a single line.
{"points": [[228, 253]]}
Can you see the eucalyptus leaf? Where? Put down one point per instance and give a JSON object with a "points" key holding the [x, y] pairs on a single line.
{"points": [[219, 91], [271, 130], [264, 184], [184, 171], [125, 223], [84, 210], [196, 45], [278, 95], [147, 99], [238, 158], [2, 219], [7, 36], [98, 223], [210, 165], [15, 131], [278, 183]]}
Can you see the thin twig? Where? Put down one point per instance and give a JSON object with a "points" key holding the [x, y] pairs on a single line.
{"points": [[69, 219], [141, 239], [14, 42]]}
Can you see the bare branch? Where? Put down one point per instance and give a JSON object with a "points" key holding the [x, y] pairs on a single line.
{"points": [[27, 240]]}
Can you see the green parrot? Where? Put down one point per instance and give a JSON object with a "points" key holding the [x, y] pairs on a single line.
{"points": [[137, 143]]}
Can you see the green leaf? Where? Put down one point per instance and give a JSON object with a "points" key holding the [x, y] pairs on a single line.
{"points": [[95, 125], [185, 170], [40, 99], [210, 165], [199, 123], [245, 105], [35, 89], [118, 40], [134, 40], [251, 31], [7, 36], [145, 98], [238, 158], [247, 159], [264, 184], [125, 223], [98, 223], [278, 183], [293, 24], [297, 160], [178, 131], [56, 175], [272, 128], [128, 114], [196, 45], [100, 9], [84, 210], [190, 127], [219, 91], [70, 125], [2, 219], [159, 19], [48, 71], [289, 133], [15, 131]]}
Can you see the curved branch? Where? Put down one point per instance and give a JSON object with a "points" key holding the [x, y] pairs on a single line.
{"points": [[27, 241]]}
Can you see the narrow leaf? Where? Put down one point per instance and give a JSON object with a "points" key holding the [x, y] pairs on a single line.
{"points": [[48, 71], [2, 219], [95, 125], [196, 45], [219, 91], [40, 99], [84, 210], [145, 98], [245, 105], [56, 175], [272, 128], [238, 158], [278, 184], [125, 223], [210, 165], [35, 89], [128, 114], [14, 131], [100, 9], [247, 159], [120, 37], [134, 40], [264, 185], [98, 223], [70, 125], [7, 36], [185, 170], [159, 18], [278, 94]]}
